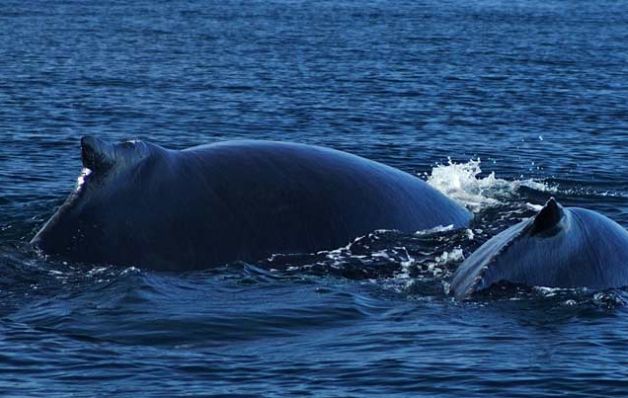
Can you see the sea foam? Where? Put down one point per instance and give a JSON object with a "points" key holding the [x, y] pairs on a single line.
{"points": [[463, 183]]}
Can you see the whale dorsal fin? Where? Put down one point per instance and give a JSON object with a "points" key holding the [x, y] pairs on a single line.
{"points": [[548, 218], [97, 155]]}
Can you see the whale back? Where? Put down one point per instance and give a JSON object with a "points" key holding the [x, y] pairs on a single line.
{"points": [[559, 247], [237, 200]]}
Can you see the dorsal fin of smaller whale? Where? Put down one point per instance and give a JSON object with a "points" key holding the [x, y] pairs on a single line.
{"points": [[96, 154], [548, 218]]}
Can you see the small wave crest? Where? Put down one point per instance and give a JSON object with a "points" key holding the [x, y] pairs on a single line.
{"points": [[552, 298], [463, 182]]}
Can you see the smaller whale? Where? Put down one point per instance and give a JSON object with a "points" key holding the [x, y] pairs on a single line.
{"points": [[559, 247]]}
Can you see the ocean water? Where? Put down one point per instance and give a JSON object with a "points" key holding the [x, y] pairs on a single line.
{"points": [[500, 104]]}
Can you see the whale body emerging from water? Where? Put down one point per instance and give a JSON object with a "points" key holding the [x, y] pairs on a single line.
{"points": [[560, 247], [140, 204]]}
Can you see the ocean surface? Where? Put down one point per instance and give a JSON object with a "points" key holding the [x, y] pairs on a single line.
{"points": [[500, 104]]}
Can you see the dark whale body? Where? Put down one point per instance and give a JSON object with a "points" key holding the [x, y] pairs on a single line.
{"points": [[141, 204], [560, 247]]}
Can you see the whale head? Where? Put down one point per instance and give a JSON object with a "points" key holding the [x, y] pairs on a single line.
{"points": [[109, 172], [105, 159]]}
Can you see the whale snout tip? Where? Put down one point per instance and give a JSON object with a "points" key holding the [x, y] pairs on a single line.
{"points": [[96, 154], [92, 143], [87, 140]]}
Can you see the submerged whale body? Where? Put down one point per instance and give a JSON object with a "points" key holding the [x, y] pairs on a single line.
{"points": [[140, 204], [560, 247]]}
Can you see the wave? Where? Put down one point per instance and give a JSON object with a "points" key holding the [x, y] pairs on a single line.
{"points": [[463, 183]]}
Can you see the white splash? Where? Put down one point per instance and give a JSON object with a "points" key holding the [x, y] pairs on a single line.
{"points": [[81, 178], [449, 257], [434, 230], [461, 182], [533, 207]]}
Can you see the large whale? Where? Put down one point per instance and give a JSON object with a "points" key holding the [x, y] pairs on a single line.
{"points": [[559, 247], [140, 204]]}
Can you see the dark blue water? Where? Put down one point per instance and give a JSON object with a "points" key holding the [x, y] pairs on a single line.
{"points": [[538, 90]]}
